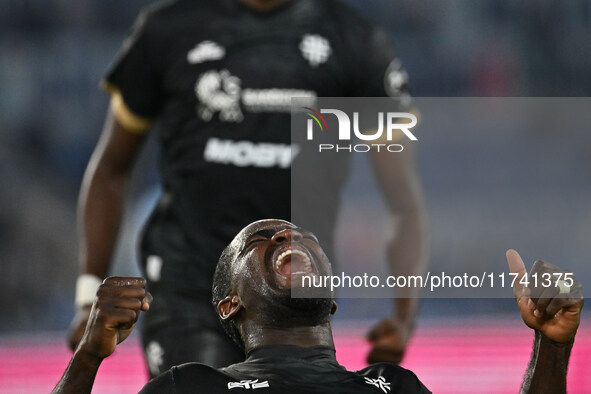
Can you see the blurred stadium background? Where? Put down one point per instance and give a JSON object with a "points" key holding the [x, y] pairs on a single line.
{"points": [[53, 54]]}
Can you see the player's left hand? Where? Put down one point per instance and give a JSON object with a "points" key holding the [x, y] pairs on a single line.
{"points": [[388, 339], [552, 308]]}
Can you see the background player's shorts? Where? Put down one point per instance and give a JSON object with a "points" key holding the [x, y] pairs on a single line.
{"points": [[177, 330], [181, 325]]}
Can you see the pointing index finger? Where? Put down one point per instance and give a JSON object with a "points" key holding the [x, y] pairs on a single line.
{"points": [[516, 265]]}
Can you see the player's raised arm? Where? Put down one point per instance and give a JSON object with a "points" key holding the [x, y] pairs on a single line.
{"points": [[100, 210], [550, 301], [113, 315]]}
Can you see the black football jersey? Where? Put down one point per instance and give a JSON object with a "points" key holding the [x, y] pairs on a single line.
{"points": [[287, 369], [216, 78]]}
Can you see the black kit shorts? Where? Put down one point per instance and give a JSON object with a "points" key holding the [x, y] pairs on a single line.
{"points": [[181, 325]]}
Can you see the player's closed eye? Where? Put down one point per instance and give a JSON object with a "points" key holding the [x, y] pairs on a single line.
{"points": [[254, 240]]}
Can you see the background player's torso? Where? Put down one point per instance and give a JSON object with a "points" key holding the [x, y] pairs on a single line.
{"points": [[218, 78], [228, 74]]}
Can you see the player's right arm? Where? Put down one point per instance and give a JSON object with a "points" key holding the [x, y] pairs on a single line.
{"points": [[134, 81], [100, 208], [116, 308]]}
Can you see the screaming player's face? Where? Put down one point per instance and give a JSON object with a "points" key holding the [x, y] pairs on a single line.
{"points": [[273, 257]]}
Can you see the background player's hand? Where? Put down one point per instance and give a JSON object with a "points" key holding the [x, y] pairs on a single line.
{"points": [[114, 313], [544, 308], [78, 325], [388, 339]]}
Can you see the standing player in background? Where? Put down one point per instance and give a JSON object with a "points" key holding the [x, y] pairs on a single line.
{"points": [[214, 80]]}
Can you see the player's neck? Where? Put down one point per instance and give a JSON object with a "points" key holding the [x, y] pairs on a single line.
{"points": [[320, 335], [264, 5]]}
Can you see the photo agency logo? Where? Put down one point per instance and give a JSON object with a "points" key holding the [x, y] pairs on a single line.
{"points": [[350, 136]]}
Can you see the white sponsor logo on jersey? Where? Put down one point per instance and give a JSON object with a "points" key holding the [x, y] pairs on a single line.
{"points": [[273, 100], [248, 384], [221, 92], [315, 49], [379, 383], [249, 154], [205, 51]]}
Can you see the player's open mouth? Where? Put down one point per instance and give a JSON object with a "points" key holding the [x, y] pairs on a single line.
{"points": [[292, 260]]}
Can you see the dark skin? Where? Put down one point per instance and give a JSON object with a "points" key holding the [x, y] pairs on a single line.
{"points": [[100, 212], [555, 319], [112, 318], [100, 206], [243, 303], [108, 325], [254, 299]]}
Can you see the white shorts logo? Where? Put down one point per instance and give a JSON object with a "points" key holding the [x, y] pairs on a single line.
{"points": [[153, 267], [395, 79], [154, 354]]}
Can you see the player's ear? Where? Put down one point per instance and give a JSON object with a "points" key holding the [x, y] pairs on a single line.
{"points": [[229, 307], [334, 308]]}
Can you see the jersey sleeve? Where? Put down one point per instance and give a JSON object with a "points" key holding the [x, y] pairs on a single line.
{"points": [[133, 79], [379, 71], [162, 384]]}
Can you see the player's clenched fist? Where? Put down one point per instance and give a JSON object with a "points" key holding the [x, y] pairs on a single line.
{"points": [[116, 308], [388, 338], [550, 299]]}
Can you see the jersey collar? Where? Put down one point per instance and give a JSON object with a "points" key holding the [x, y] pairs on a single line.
{"points": [[323, 353]]}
